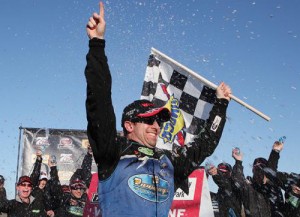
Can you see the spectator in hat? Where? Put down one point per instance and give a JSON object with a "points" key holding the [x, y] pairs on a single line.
{"points": [[260, 195], [135, 177], [228, 197], [43, 179], [25, 204], [39, 180], [69, 201]]}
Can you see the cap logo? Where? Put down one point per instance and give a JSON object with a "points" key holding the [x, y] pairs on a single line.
{"points": [[130, 112], [152, 110]]}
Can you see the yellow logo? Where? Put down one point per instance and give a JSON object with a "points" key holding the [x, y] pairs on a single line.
{"points": [[175, 125]]}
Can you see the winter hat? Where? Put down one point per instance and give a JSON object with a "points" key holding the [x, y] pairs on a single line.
{"points": [[140, 109]]}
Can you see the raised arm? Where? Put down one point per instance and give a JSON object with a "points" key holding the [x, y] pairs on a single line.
{"points": [[208, 139], [274, 155], [192, 155], [35, 175], [101, 118], [238, 171], [84, 173]]}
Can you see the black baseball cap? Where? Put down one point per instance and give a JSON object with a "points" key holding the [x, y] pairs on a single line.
{"points": [[260, 162], [141, 109]]}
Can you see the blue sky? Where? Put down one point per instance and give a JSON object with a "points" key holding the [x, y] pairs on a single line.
{"points": [[251, 45]]}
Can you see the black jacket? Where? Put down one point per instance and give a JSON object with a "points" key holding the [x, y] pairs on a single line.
{"points": [[256, 204], [16, 208], [228, 195], [260, 200]]}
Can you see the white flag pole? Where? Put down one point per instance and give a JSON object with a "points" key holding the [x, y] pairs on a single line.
{"points": [[208, 83]]}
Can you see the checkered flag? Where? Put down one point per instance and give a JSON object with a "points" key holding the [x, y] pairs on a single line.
{"points": [[189, 100]]}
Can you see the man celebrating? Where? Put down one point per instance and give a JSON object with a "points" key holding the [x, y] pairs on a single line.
{"points": [[24, 204], [135, 177]]}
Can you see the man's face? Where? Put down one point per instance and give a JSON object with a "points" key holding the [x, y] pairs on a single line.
{"points": [[24, 190], [259, 175], [145, 133], [77, 191]]}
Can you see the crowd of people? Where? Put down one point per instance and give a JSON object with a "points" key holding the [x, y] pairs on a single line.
{"points": [[135, 177], [268, 192], [40, 195]]}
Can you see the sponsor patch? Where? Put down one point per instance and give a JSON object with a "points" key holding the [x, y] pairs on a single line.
{"points": [[75, 210], [215, 125], [36, 211], [146, 151], [149, 187]]}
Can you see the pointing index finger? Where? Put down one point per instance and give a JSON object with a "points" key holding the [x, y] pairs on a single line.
{"points": [[101, 13]]}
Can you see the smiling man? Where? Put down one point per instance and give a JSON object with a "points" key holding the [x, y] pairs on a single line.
{"points": [[24, 204], [136, 178]]}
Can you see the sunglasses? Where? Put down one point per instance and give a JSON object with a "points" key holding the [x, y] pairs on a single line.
{"points": [[259, 165], [26, 185], [223, 170], [76, 188], [149, 120]]}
